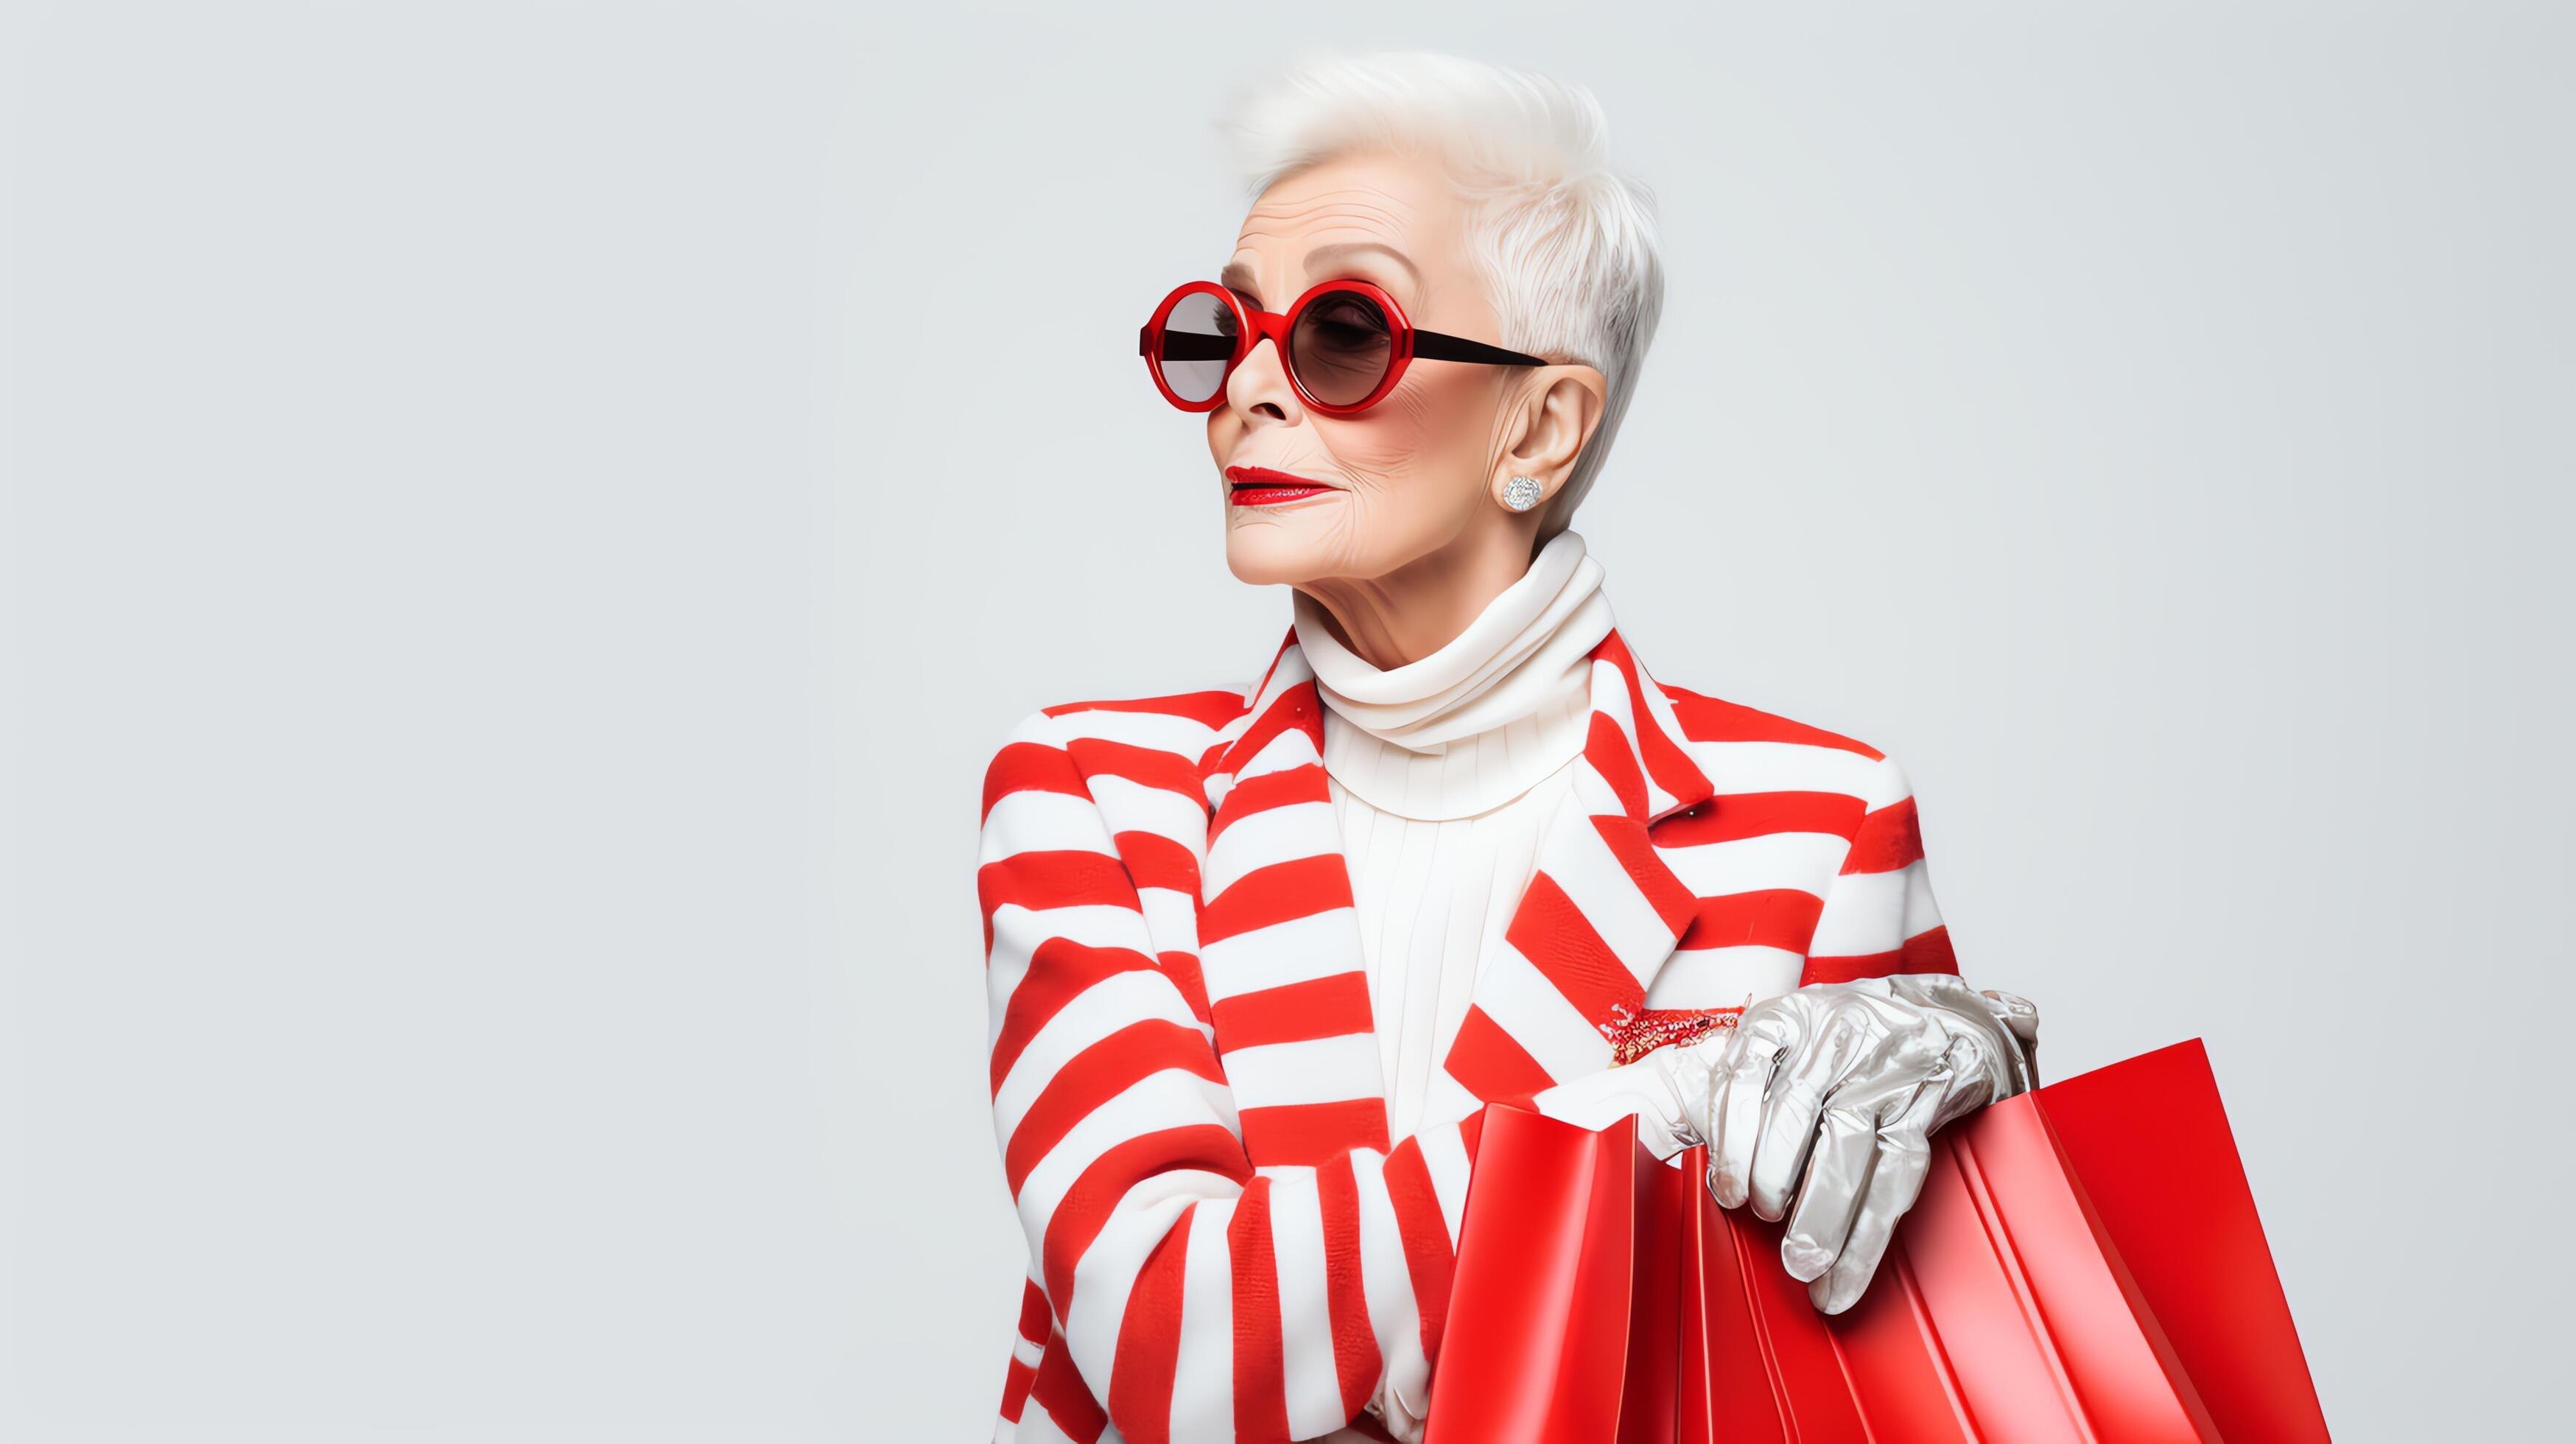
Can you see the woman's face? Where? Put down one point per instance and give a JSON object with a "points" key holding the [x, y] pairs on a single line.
{"points": [[1410, 474]]}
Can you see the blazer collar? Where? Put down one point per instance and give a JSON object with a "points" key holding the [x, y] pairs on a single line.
{"points": [[1279, 942], [1665, 779]]}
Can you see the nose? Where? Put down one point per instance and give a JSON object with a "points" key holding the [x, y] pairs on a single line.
{"points": [[1259, 387]]}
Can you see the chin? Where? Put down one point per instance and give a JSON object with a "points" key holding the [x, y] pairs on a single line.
{"points": [[1262, 552]]}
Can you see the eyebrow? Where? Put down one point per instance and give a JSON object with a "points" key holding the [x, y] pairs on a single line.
{"points": [[1322, 260]]}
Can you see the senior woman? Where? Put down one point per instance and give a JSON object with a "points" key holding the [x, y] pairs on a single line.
{"points": [[1258, 957]]}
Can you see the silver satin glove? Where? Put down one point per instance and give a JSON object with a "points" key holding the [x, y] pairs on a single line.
{"points": [[1820, 1103]]}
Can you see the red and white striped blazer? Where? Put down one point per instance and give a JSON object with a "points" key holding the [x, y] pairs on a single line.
{"points": [[1224, 1242]]}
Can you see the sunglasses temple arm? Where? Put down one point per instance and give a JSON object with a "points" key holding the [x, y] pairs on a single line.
{"points": [[1435, 346]]}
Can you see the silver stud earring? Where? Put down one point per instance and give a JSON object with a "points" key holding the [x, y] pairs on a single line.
{"points": [[1521, 493]]}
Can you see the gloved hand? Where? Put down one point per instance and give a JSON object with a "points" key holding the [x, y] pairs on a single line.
{"points": [[1820, 1103]]}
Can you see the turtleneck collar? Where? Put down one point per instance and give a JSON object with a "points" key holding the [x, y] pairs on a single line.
{"points": [[1483, 719]]}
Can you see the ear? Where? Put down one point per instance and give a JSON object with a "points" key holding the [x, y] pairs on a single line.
{"points": [[1547, 426]]}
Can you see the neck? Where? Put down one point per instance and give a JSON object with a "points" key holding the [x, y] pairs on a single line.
{"points": [[1420, 607]]}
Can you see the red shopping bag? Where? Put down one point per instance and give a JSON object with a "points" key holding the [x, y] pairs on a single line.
{"points": [[1564, 1309], [2084, 1264]]}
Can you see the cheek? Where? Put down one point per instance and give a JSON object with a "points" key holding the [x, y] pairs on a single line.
{"points": [[1429, 426]]}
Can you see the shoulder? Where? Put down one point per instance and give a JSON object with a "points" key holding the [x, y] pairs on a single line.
{"points": [[1169, 721], [1747, 749], [1161, 735]]}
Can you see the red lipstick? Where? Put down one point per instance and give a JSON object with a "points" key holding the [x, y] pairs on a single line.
{"points": [[1260, 486]]}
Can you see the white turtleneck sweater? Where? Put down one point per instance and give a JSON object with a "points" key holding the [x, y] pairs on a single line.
{"points": [[1443, 773]]}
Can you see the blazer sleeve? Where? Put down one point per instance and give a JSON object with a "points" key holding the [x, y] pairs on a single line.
{"points": [[1194, 1298], [1879, 916]]}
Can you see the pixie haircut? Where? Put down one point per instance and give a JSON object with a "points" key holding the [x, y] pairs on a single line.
{"points": [[1564, 243]]}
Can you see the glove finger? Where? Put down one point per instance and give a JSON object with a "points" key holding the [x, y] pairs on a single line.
{"points": [[1789, 1121], [1735, 1113], [2020, 1018], [2016, 1012], [1900, 1160], [1830, 1192]]}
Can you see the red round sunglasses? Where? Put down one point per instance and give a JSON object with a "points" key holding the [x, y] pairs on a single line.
{"points": [[1345, 344]]}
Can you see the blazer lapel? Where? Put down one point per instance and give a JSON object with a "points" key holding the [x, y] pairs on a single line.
{"points": [[1279, 941], [1600, 916]]}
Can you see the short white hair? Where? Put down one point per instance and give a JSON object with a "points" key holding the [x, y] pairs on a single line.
{"points": [[1564, 242]]}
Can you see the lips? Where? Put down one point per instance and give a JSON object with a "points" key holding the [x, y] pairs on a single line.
{"points": [[1260, 486]]}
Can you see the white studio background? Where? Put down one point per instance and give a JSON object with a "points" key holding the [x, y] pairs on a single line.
{"points": [[523, 523]]}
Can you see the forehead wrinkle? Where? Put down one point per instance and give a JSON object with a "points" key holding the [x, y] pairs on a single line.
{"points": [[1320, 223], [1354, 197], [1347, 215], [1341, 232]]}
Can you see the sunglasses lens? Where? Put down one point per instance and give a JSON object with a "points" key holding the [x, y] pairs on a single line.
{"points": [[1197, 341], [1341, 347]]}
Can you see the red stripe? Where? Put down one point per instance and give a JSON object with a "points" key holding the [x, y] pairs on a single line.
{"points": [[1145, 766], [1214, 708], [1926, 952], [1783, 917], [1279, 893], [1030, 767], [1428, 1255], [1628, 842], [1842, 968], [1038, 880], [1059, 972], [1260, 1398], [1149, 1341], [1313, 1132], [1739, 815], [1490, 1063], [1674, 772], [1888, 839], [1087, 1206], [1325, 1007], [1709, 719], [1929, 951], [1285, 788], [1607, 749], [1035, 1322], [1278, 654], [1015, 1389], [1296, 709], [1559, 941], [1093, 1077], [1154, 860], [1060, 1391], [1355, 1355]]}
